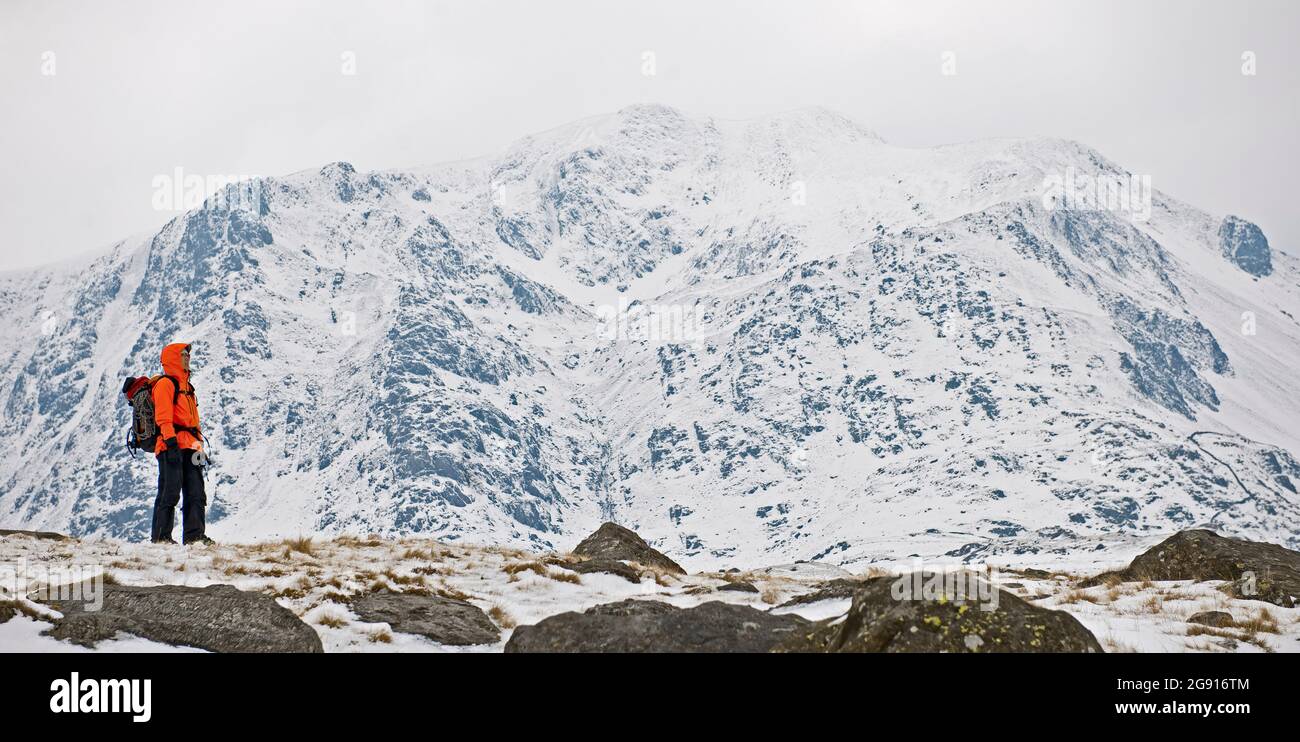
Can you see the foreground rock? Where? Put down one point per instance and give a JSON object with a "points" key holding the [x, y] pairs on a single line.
{"points": [[650, 626], [43, 535], [1257, 571], [443, 620], [218, 618], [878, 621], [612, 541]]}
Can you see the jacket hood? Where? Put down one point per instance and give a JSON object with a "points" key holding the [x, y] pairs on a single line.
{"points": [[171, 361]]}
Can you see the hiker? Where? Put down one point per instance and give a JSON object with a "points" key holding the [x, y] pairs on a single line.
{"points": [[179, 451]]}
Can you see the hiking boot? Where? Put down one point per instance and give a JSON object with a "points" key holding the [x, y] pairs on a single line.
{"points": [[168, 540], [201, 540]]}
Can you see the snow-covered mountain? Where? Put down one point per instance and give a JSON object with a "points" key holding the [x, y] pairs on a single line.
{"points": [[750, 341]]}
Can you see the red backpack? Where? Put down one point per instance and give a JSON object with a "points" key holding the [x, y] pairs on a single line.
{"points": [[143, 433]]}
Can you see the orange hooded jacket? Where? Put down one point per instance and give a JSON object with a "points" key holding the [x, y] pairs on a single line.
{"points": [[185, 412]]}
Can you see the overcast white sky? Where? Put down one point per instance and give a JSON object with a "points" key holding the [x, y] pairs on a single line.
{"points": [[255, 87]]}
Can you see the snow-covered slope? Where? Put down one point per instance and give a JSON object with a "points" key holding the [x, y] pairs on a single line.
{"points": [[751, 341]]}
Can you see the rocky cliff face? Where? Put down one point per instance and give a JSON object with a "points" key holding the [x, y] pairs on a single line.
{"points": [[1245, 245], [760, 340]]}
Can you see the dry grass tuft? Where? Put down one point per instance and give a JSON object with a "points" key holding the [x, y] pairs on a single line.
{"points": [[514, 569], [1262, 622], [1115, 646], [295, 590], [381, 636], [399, 579], [358, 543], [331, 620], [452, 593], [1154, 604], [560, 575], [501, 618], [1077, 595]]}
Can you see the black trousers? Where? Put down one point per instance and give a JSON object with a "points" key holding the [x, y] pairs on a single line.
{"points": [[178, 473]]}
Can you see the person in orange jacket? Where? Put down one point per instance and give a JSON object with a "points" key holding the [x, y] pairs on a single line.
{"points": [[179, 451]]}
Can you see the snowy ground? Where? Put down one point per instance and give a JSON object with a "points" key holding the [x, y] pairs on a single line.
{"points": [[314, 579]]}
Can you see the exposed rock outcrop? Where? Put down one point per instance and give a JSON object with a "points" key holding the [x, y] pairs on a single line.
{"points": [[651, 626], [1244, 244], [1257, 571], [1211, 618], [612, 541], [739, 586], [218, 618], [444, 620], [608, 566], [882, 620]]}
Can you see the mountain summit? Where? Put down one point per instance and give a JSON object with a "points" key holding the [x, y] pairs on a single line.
{"points": [[752, 341]]}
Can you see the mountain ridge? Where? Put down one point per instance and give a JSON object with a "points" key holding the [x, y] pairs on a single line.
{"points": [[919, 306]]}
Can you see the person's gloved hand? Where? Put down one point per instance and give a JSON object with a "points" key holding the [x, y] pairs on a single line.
{"points": [[172, 453]]}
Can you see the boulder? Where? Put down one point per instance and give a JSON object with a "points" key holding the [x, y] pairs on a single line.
{"points": [[609, 566], [1244, 244], [1256, 571], [218, 618], [1212, 618], [739, 587], [652, 626], [879, 621], [444, 620], [612, 541]]}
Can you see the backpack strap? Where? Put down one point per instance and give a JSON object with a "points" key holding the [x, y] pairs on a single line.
{"points": [[176, 386], [176, 395]]}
